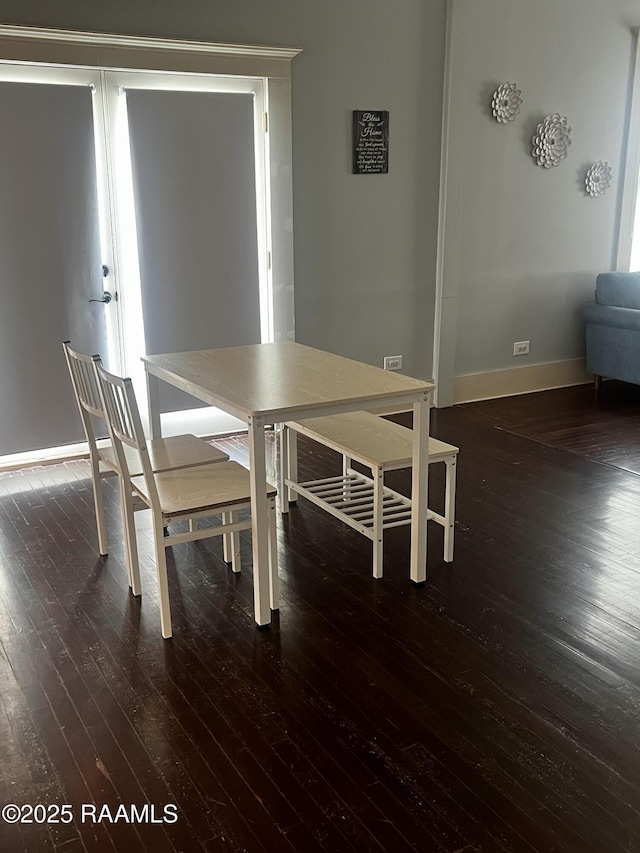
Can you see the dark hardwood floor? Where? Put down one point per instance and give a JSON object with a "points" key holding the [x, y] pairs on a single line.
{"points": [[497, 708], [604, 426]]}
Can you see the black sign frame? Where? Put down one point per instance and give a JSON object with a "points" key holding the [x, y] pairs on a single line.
{"points": [[370, 142]]}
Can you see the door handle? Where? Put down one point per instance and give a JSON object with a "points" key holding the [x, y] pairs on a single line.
{"points": [[106, 298]]}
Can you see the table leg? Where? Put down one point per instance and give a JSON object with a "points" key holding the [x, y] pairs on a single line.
{"points": [[259, 521], [419, 490], [153, 397]]}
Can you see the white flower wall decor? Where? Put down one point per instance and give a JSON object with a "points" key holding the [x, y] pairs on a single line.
{"points": [[505, 104], [551, 141], [598, 178]]}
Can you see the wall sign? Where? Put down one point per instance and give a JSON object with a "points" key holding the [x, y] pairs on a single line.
{"points": [[370, 142]]}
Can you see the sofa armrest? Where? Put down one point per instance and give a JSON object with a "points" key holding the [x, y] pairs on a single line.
{"points": [[608, 315]]}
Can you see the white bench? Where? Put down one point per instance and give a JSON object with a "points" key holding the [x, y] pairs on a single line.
{"points": [[365, 503]]}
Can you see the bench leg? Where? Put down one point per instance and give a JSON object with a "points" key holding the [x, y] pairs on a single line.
{"points": [[226, 539], [346, 486], [288, 466], [449, 507], [233, 543], [292, 463], [378, 497], [283, 469], [419, 491]]}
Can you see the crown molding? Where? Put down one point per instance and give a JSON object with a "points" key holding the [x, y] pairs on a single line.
{"points": [[40, 34]]}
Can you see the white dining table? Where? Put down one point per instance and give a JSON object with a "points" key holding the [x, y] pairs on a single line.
{"points": [[272, 383]]}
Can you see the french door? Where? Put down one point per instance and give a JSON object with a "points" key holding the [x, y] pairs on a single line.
{"points": [[134, 219]]}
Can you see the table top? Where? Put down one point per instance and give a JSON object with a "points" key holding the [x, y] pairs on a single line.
{"points": [[276, 380]]}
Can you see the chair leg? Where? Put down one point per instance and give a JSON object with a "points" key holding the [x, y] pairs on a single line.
{"points": [[449, 507], [131, 543], [597, 382], [99, 507], [274, 579], [161, 569], [377, 521]]}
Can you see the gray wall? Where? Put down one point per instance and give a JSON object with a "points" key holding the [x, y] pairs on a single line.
{"points": [[364, 245], [525, 243]]}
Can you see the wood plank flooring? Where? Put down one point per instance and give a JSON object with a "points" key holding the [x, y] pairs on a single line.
{"points": [[496, 708], [603, 425]]}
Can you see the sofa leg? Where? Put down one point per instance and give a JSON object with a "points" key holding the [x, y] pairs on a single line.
{"points": [[597, 381]]}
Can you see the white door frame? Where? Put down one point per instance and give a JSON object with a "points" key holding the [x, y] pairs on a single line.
{"points": [[445, 313], [627, 224]]}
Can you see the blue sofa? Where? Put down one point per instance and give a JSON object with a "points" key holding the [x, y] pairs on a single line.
{"points": [[613, 327]]}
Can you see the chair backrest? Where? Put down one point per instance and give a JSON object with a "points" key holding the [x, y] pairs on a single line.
{"points": [[125, 425], [85, 387]]}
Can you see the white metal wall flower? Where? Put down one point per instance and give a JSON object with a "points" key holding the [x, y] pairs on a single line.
{"points": [[551, 141], [506, 101], [598, 178]]}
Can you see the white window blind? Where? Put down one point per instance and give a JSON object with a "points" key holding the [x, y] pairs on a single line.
{"points": [[49, 259], [194, 184]]}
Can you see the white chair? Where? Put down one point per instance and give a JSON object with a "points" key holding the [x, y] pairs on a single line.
{"points": [[365, 503], [179, 451], [187, 494]]}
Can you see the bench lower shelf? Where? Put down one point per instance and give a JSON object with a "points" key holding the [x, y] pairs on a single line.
{"points": [[350, 497]]}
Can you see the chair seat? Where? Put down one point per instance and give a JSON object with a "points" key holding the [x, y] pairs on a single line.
{"points": [[202, 489], [172, 453], [369, 439]]}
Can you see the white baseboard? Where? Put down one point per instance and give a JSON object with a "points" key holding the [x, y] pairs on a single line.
{"points": [[520, 380]]}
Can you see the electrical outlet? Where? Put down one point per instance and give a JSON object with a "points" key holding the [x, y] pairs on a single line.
{"points": [[393, 362], [521, 347]]}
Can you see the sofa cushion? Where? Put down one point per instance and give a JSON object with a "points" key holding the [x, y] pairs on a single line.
{"points": [[621, 289]]}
